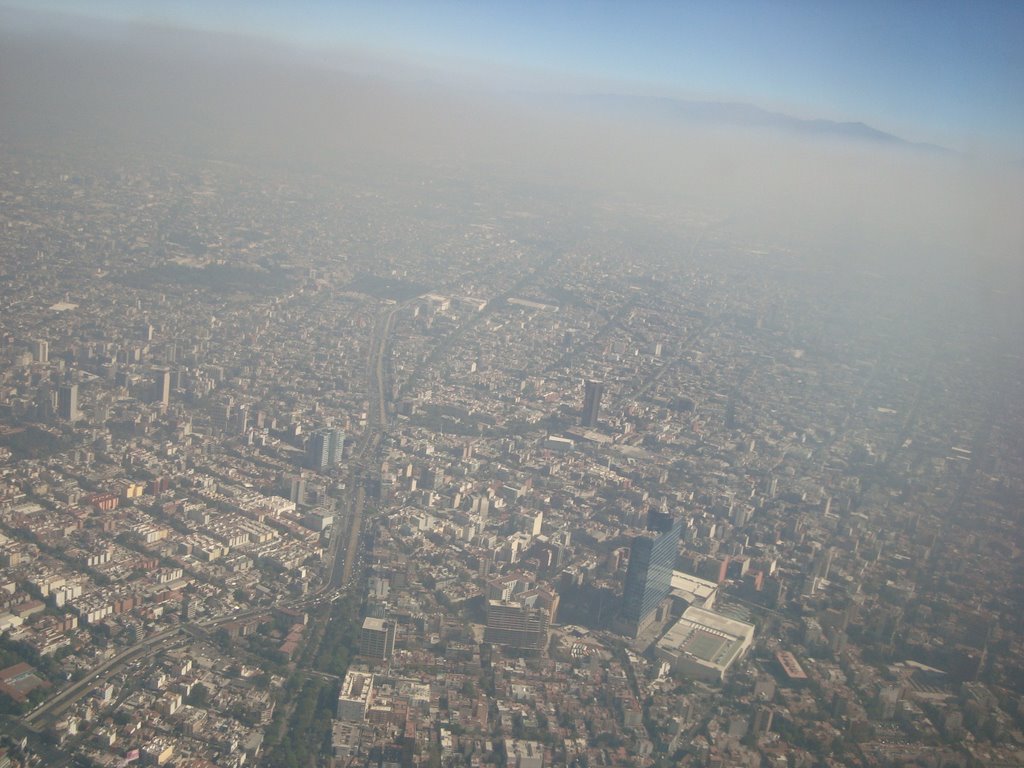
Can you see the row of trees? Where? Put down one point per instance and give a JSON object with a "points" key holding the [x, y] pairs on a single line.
{"points": [[341, 636], [309, 732]]}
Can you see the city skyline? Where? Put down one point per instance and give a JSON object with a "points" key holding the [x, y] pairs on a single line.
{"points": [[478, 385]]}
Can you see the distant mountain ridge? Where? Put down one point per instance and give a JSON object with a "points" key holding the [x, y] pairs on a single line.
{"points": [[740, 114]]}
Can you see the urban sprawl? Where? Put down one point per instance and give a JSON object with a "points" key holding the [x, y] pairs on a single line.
{"points": [[297, 470]]}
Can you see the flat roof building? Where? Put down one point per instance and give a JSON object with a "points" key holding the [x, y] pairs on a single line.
{"points": [[693, 590], [791, 668], [703, 644], [377, 638], [354, 698], [516, 624], [523, 753]]}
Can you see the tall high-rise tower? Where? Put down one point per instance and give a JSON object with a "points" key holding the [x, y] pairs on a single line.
{"points": [[324, 448], [592, 402], [652, 558], [67, 402], [162, 387], [377, 638], [318, 449]]}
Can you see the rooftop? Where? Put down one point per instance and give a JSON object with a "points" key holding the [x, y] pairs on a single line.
{"points": [[706, 637]]}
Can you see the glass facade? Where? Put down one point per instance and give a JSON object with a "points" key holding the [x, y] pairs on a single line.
{"points": [[652, 558]]}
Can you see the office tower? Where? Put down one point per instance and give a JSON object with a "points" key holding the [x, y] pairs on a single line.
{"points": [[133, 633], [652, 558], [324, 448], [514, 623], [67, 402], [238, 424], [162, 387], [46, 402], [480, 505], [335, 445], [355, 696], [377, 638], [297, 491], [822, 565], [41, 351], [431, 479], [762, 720], [592, 402]]}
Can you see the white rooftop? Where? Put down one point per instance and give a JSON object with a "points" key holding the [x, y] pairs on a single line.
{"points": [[688, 584]]}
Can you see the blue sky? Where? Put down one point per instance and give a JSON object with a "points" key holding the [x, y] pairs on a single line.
{"points": [[950, 73]]}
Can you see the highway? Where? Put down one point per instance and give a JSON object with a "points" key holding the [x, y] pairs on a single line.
{"points": [[150, 645], [343, 570], [74, 691], [364, 461]]}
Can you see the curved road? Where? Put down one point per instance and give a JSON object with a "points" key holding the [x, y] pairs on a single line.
{"points": [[76, 690]]}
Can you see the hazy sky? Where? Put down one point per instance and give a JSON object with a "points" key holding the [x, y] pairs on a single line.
{"points": [[945, 72], [925, 72]]}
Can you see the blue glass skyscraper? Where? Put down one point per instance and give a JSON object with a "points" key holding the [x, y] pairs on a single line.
{"points": [[652, 558]]}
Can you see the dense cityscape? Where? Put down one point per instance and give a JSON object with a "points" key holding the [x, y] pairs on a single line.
{"points": [[303, 472], [511, 385]]}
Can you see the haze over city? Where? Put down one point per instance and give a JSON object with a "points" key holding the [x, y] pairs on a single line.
{"points": [[511, 384]]}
